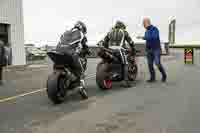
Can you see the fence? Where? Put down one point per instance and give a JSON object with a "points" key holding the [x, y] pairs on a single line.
{"points": [[139, 46]]}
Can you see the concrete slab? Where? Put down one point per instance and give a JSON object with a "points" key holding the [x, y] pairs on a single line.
{"points": [[172, 107]]}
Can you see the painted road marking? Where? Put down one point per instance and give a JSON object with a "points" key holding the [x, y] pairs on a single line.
{"points": [[21, 95], [32, 92]]}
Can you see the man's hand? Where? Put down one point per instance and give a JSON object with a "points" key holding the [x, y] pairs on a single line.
{"points": [[140, 37]]}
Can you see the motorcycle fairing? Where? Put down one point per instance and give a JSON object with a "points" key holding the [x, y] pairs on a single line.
{"points": [[60, 58]]}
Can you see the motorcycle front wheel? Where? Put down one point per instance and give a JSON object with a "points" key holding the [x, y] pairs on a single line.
{"points": [[132, 72]]}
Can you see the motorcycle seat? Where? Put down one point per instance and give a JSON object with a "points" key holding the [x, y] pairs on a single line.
{"points": [[54, 53]]}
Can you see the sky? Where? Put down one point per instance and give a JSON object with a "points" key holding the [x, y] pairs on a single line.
{"points": [[46, 20]]}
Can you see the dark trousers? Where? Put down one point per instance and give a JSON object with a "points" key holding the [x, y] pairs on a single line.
{"points": [[124, 62], [125, 65], [1, 73], [77, 66], [153, 56]]}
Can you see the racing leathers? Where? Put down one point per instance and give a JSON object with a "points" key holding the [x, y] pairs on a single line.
{"points": [[118, 37], [71, 43]]}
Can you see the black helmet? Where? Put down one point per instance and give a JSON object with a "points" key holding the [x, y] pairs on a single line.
{"points": [[81, 26], [120, 24]]}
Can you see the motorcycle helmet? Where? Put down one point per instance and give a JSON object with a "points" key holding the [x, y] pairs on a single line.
{"points": [[120, 24], [81, 26]]}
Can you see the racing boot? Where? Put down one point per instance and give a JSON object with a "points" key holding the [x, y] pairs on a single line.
{"points": [[126, 83], [80, 82]]}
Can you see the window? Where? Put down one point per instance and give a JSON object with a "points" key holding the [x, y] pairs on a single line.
{"points": [[3, 28], [4, 33]]}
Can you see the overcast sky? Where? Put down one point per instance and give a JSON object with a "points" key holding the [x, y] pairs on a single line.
{"points": [[45, 20]]}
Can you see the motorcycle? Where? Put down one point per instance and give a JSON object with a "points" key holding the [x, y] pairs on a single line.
{"points": [[110, 68], [60, 82]]}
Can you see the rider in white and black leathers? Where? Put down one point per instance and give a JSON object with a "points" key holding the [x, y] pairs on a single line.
{"points": [[116, 37], [69, 43]]}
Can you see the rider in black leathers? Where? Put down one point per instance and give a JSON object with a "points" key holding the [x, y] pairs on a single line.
{"points": [[68, 45], [116, 37]]}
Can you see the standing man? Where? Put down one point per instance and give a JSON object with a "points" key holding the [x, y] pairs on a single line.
{"points": [[153, 49], [2, 60]]}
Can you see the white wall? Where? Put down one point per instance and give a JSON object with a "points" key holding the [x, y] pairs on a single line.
{"points": [[11, 12]]}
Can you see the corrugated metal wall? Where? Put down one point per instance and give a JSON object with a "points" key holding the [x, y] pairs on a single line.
{"points": [[11, 12]]}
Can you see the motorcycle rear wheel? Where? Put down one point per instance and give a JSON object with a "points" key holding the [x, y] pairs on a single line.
{"points": [[103, 77], [54, 91]]}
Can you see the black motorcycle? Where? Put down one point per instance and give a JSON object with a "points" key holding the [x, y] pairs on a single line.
{"points": [[60, 83], [110, 68]]}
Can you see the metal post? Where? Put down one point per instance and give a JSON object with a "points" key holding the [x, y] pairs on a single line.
{"points": [[172, 31]]}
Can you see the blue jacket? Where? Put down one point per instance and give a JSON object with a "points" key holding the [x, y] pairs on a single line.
{"points": [[152, 38]]}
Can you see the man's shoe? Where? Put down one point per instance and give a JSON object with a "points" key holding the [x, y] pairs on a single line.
{"points": [[164, 79], [151, 81], [126, 84]]}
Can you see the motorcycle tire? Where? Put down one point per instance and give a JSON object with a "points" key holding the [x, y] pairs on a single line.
{"points": [[53, 88], [132, 72], [103, 77]]}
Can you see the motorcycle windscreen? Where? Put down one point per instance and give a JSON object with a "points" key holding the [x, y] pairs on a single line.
{"points": [[71, 37], [60, 58]]}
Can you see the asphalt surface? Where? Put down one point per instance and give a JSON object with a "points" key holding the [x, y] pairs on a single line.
{"points": [[171, 107]]}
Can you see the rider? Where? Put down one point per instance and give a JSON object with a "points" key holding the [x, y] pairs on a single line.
{"points": [[117, 37], [69, 43]]}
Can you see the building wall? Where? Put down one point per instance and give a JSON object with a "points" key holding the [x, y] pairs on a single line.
{"points": [[11, 12]]}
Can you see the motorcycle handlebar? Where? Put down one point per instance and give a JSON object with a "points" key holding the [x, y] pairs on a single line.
{"points": [[110, 51]]}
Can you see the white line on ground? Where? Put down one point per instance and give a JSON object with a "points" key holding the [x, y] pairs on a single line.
{"points": [[32, 92]]}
